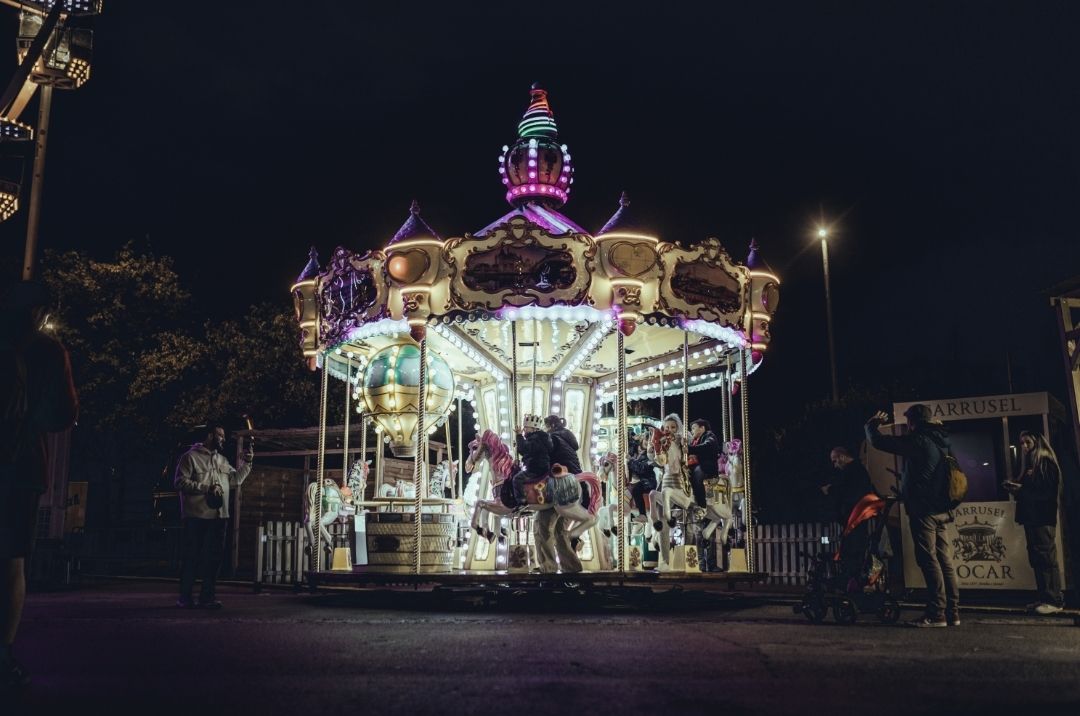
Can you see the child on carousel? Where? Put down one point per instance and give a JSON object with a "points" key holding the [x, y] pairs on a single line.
{"points": [[534, 448]]}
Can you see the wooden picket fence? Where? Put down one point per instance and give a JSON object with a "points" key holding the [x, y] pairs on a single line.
{"points": [[780, 549], [281, 553]]}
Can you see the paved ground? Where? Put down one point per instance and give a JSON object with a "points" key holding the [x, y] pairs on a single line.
{"points": [[123, 646]]}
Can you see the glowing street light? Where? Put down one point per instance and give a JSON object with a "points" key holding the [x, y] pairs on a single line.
{"points": [[823, 234]]}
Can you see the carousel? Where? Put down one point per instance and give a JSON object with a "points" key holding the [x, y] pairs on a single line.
{"points": [[532, 316]]}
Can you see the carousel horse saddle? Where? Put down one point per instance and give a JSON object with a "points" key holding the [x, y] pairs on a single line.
{"points": [[550, 490]]}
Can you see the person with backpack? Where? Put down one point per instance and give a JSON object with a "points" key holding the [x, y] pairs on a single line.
{"points": [[37, 396], [924, 490], [1037, 491]]}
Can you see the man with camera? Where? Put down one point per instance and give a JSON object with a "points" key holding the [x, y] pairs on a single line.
{"points": [[204, 478], [924, 449]]}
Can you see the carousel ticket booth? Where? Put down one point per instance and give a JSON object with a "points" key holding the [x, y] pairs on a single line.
{"points": [[988, 546], [530, 315]]}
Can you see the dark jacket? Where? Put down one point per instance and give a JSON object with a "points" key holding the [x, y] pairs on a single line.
{"points": [[851, 484], [923, 449], [535, 452], [641, 467], [706, 449], [1037, 498], [51, 407], [564, 450]]}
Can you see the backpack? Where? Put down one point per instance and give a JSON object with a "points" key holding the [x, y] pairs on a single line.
{"points": [[952, 484]]}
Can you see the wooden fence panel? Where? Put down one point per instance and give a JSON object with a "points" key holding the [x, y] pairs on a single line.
{"points": [[783, 549]]}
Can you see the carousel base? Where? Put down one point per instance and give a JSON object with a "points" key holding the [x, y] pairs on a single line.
{"points": [[366, 577]]}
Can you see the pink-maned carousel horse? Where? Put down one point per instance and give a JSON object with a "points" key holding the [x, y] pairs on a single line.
{"points": [[576, 497]]}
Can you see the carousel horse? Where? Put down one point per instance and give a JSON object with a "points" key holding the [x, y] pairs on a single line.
{"points": [[729, 462], [335, 504], [668, 449], [576, 497], [353, 492], [441, 477]]}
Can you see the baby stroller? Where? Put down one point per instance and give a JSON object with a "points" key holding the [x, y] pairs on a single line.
{"points": [[855, 579]]}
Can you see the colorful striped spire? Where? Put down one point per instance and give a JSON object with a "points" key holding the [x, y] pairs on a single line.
{"points": [[538, 120]]}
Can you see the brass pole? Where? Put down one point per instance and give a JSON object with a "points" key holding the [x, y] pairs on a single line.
{"points": [[461, 451], [316, 519], [513, 385], [685, 407], [420, 460], [624, 452], [536, 350], [748, 514], [348, 410]]}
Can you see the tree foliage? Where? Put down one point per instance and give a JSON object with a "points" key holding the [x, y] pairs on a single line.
{"points": [[147, 370]]}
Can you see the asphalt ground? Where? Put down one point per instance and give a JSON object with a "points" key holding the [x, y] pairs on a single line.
{"points": [[119, 647]]}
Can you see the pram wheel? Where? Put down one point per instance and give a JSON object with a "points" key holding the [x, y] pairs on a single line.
{"points": [[813, 608], [889, 613], [845, 611]]}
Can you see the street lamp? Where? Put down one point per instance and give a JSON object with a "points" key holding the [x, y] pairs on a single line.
{"points": [[823, 234]]}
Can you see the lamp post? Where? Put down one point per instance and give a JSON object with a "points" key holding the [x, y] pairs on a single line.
{"points": [[823, 234]]}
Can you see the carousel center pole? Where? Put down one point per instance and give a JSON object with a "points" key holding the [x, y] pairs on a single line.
{"points": [[420, 460], [624, 451], [316, 519], [748, 514]]}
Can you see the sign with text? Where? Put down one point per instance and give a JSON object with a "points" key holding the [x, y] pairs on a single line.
{"points": [[987, 547], [990, 406]]}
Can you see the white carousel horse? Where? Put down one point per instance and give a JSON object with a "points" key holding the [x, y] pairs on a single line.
{"points": [[668, 451], [579, 494], [334, 504], [729, 462]]}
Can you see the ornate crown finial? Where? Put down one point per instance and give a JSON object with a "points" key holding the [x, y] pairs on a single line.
{"points": [[536, 167]]}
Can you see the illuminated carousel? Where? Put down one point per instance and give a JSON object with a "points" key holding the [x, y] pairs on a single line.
{"points": [[532, 314]]}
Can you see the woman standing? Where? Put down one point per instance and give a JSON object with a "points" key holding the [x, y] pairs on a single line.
{"points": [[1036, 490]]}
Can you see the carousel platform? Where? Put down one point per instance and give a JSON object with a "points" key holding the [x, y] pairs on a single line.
{"points": [[363, 577]]}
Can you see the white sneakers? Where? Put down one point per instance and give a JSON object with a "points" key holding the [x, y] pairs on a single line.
{"points": [[1044, 610]]}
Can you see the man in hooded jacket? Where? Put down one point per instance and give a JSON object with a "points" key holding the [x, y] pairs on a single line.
{"points": [[924, 448]]}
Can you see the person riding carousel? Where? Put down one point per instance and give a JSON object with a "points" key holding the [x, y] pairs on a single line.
{"points": [[668, 450], [534, 448], [564, 445], [642, 474], [703, 451]]}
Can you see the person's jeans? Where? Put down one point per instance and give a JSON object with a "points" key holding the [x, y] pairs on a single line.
{"points": [[933, 558], [638, 490], [549, 531], [1042, 554], [204, 545], [697, 484]]}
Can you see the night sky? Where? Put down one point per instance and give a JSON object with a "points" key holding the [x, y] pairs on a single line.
{"points": [[947, 138]]}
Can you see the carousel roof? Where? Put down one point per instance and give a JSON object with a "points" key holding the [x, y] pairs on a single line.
{"points": [[414, 227], [624, 221], [568, 293], [547, 219]]}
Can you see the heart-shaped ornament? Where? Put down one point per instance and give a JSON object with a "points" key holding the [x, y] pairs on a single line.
{"points": [[408, 266], [632, 259]]}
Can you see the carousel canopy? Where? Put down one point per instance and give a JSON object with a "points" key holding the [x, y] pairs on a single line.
{"points": [[536, 291]]}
